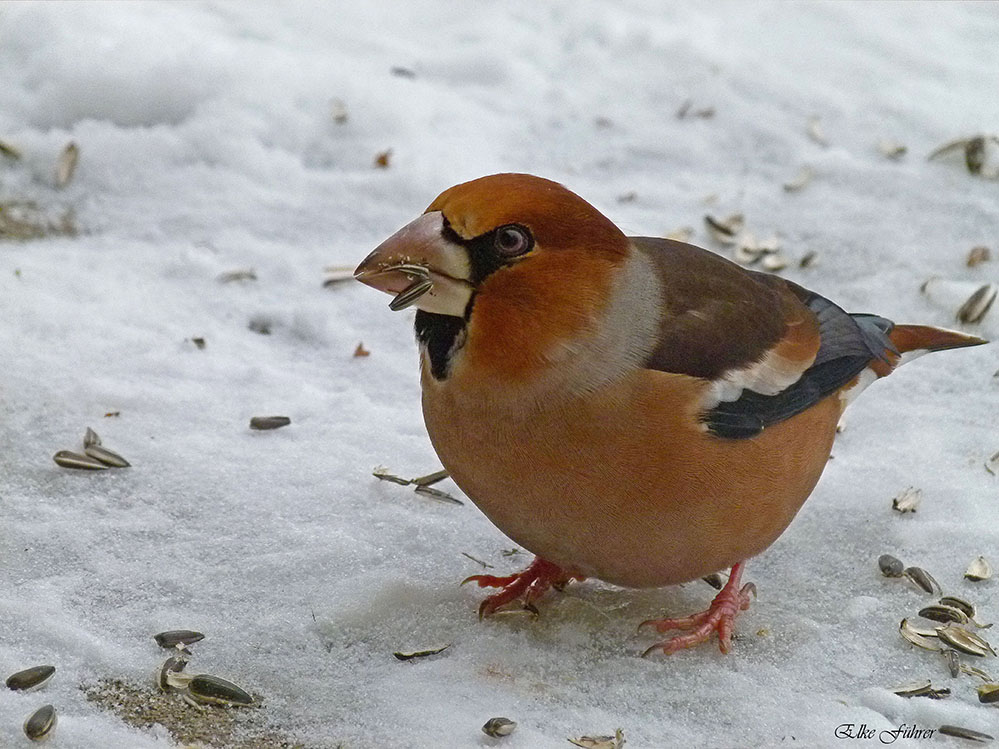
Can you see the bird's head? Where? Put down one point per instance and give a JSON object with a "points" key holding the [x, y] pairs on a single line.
{"points": [[518, 266]]}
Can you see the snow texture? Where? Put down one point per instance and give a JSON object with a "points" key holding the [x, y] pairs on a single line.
{"points": [[208, 143]]}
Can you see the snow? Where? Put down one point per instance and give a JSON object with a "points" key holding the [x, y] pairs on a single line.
{"points": [[208, 144]]}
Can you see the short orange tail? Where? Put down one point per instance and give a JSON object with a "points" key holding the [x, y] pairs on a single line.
{"points": [[926, 338]]}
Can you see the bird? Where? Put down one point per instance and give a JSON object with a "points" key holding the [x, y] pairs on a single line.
{"points": [[631, 409]]}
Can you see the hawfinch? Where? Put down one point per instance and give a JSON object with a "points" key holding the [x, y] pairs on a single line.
{"points": [[632, 409]]}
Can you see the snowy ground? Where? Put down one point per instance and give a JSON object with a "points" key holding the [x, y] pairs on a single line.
{"points": [[208, 144]]}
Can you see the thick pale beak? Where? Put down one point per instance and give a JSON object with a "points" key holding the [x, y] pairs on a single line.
{"points": [[417, 251]]}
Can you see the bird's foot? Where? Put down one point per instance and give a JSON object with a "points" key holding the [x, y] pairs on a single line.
{"points": [[528, 585], [719, 617]]}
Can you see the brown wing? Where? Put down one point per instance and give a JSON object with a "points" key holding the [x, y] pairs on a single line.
{"points": [[770, 347]]}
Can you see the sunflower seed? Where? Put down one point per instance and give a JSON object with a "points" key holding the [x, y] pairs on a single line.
{"points": [[261, 423], [90, 438], [429, 491], [923, 579], [919, 637], [808, 259], [725, 230], [774, 261], [890, 566], [953, 662], [978, 255], [40, 723], [965, 641], [988, 693], [714, 580], [913, 688], [244, 274], [992, 464], [499, 727], [891, 150], [978, 304], [402, 656], [409, 296], [431, 478], [207, 689], [30, 678], [68, 459], [170, 676], [175, 637], [964, 733], [800, 180], [66, 164], [382, 473], [974, 154], [941, 613], [600, 742], [978, 570], [907, 501], [107, 457]]}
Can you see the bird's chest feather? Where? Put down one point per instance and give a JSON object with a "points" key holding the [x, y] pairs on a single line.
{"points": [[623, 484]]}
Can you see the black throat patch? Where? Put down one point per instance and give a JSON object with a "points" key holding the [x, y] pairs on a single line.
{"points": [[440, 335]]}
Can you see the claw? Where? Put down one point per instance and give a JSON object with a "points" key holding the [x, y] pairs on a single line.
{"points": [[528, 586]]}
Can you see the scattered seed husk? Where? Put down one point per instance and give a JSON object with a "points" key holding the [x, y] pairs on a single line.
{"points": [[714, 580], [978, 255], [979, 569], [627, 197], [260, 325], [964, 733], [908, 500], [243, 274], [988, 694], [170, 677], [9, 151], [992, 464], [90, 438], [401, 72], [429, 491], [681, 234], [69, 459], [913, 688], [815, 131], [360, 351], [922, 579], [382, 473], [404, 656], [965, 641], [959, 603], [199, 343], [774, 261], [175, 637], [40, 723], [30, 678], [112, 414], [890, 566], [891, 149], [725, 230], [686, 111], [431, 478], [800, 180], [409, 296], [214, 690], [269, 422], [106, 456], [499, 727], [978, 304], [977, 672], [600, 742], [383, 159], [919, 637], [942, 613], [953, 659], [485, 565], [747, 250], [338, 110], [66, 164], [808, 259]]}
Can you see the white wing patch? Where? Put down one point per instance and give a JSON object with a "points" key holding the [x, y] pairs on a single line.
{"points": [[769, 376]]}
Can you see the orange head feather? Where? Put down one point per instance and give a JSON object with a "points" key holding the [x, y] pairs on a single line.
{"points": [[524, 310]]}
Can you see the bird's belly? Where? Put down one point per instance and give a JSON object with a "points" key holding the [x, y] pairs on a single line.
{"points": [[623, 485]]}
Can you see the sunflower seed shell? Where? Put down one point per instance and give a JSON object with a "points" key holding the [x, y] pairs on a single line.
{"points": [[30, 678], [69, 459], [964, 641], [107, 457], [978, 570], [175, 637], [964, 733], [922, 579], [40, 723], [207, 689], [988, 693], [499, 727], [890, 566]]}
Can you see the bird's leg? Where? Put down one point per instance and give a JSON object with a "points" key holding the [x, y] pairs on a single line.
{"points": [[719, 617], [529, 585]]}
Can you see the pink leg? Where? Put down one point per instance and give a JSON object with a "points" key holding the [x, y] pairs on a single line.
{"points": [[719, 617], [529, 585]]}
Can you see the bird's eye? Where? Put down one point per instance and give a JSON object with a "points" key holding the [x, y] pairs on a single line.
{"points": [[512, 240]]}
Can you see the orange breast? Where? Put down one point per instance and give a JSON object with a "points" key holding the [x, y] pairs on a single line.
{"points": [[623, 485]]}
